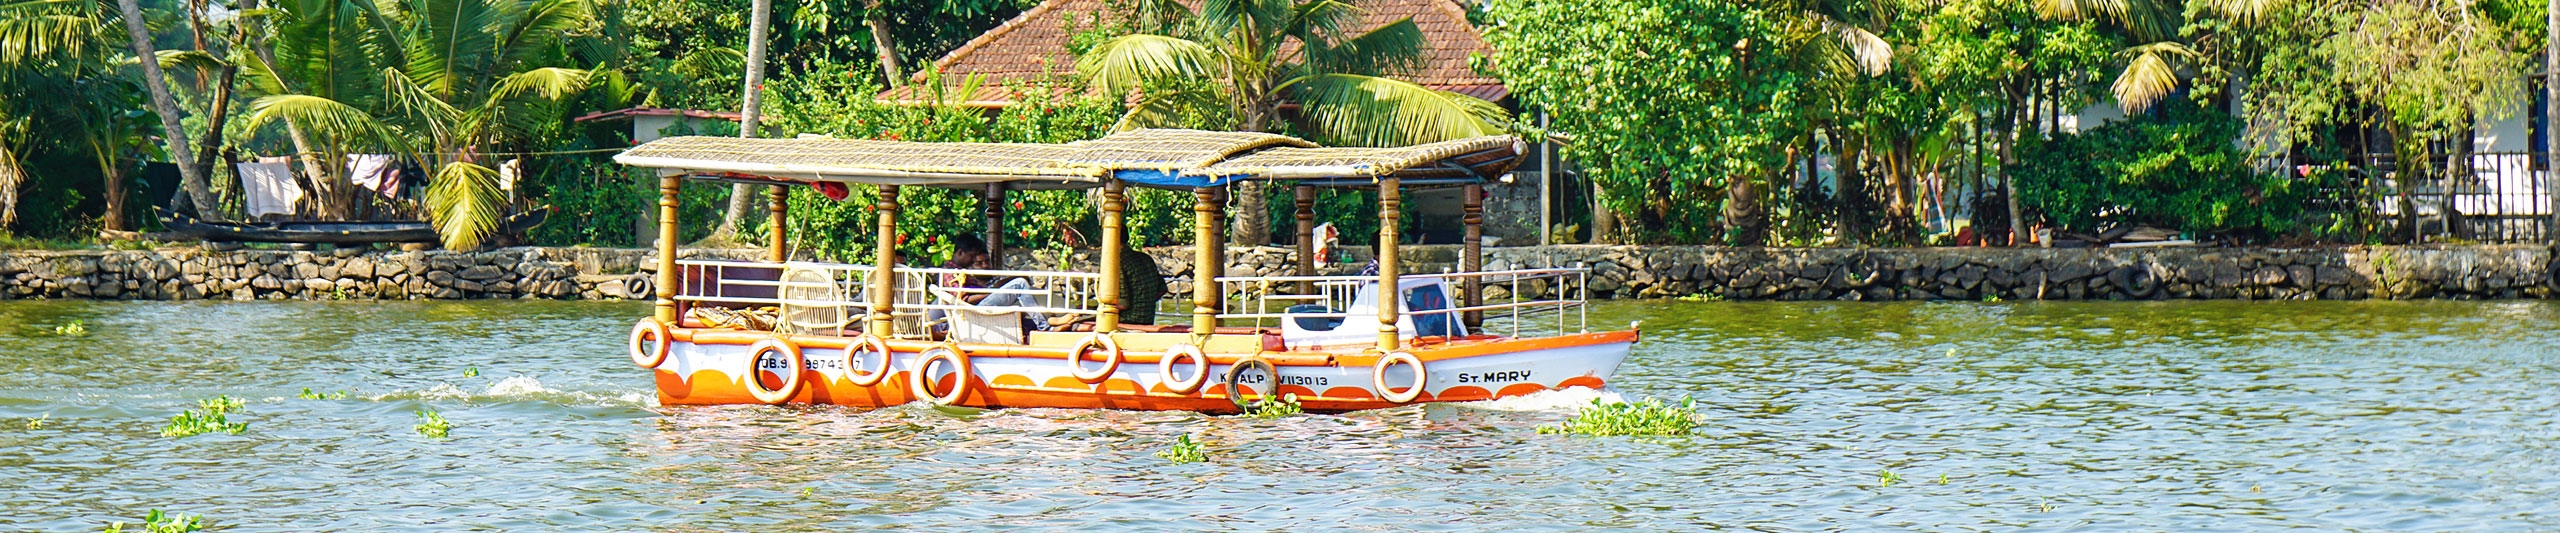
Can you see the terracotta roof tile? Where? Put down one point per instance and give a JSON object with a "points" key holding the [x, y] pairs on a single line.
{"points": [[1033, 46]]}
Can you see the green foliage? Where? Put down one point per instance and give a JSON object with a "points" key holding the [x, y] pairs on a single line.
{"points": [[309, 394], [1283, 407], [1183, 450], [433, 424], [210, 416], [2177, 170], [157, 522], [1649, 417], [74, 328], [1664, 98]]}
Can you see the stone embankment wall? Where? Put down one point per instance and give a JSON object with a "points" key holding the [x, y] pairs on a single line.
{"points": [[2469, 272]]}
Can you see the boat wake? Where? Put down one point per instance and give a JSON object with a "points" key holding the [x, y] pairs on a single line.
{"points": [[516, 388], [1550, 400]]}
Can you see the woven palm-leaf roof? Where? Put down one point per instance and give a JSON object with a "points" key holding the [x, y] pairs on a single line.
{"points": [[1166, 158]]}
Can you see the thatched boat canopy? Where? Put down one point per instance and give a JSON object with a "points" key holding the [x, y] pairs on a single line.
{"points": [[1153, 158]]}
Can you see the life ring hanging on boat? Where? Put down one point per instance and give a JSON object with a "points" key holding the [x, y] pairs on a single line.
{"points": [[649, 342], [1378, 377], [852, 352], [793, 362], [1110, 358], [921, 380], [1262, 393], [1199, 368]]}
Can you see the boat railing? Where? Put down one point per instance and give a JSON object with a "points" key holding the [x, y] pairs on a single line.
{"points": [[1534, 301], [834, 298]]}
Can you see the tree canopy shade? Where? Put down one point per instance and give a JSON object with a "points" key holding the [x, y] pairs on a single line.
{"points": [[1670, 102]]}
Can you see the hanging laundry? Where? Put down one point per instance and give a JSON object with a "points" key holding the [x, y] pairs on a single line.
{"points": [[374, 172], [508, 173], [269, 187]]}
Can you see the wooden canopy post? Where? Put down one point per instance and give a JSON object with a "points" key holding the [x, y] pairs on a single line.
{"points": [[995, 223], [779, 248], [1114, 242], [1473, 262], [884, 266], [1306, 236], [1208, 261], [1390, 286], [665, 286]]}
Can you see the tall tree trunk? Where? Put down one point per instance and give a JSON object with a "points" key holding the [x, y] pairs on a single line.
{"points": [[1741, 211], [884, 45], [750, 110], [196, 191], [2457, 169], [1899, 212], [2009, 160], [114, 174], [1252, 226], [1851, 178], [1604, 222], [10, 177], [173, 132]]}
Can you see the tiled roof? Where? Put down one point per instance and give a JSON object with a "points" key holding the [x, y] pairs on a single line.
{"points": [[1033, 46]]}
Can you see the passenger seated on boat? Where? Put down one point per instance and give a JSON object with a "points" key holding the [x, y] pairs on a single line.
{"points": [[970, 253]]}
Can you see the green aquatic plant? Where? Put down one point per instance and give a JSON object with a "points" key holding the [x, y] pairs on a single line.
{"points": [[157, 522], [1942, 479], [38, 423], [470, 371], [433, 424], [1887, 478], [1649, 417], [1284, 407], [211, 416], [308, 394], [1702, 296], [74, 329], [1184, 450]]}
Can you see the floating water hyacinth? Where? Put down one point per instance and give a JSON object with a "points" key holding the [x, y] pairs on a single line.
{"points": [[157, 522], [1649, 417], [210, 416], [1283, 407], [433, 424], [1184, 450], [74, 329]]}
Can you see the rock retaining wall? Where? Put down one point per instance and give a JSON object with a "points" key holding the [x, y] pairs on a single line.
{"points": [[2470, 272]]}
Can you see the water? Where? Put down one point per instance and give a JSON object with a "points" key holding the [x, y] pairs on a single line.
{"points": [[2176, 416]]}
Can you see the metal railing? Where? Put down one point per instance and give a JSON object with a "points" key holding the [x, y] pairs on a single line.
{"points": [[834, 298], [1529, 301], [2494, 197]]}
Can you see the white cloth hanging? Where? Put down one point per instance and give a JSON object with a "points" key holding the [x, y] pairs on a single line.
{"points": [[374, 173], [509, 172], [269, 187]]}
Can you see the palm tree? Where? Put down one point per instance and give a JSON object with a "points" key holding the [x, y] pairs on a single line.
{"points": [[446, 81], [1245, 57]]}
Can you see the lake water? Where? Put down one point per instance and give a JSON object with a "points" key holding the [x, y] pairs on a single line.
{"points": [[2173, 415]]}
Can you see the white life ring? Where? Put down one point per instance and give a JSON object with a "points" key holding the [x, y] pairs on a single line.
{"points": [[649, 342], [921, 382], [793, 361], [1378, 377], [1263, 393], [1110, 358], [876, 372], [1199, 368]]}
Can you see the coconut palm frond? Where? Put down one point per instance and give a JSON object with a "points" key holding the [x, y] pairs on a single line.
{"points": [[1128, 61], [1163, 109], [1395, 47], [2148, 77], [1317, 20], [463, 201], [171, 59], [1869, 52], [2246, 12], [2150, 20], [1349, 109], [547, 82], [37, 28], [322, 115], [453, 44], [709, 62], [409, 98], [540, 25]]}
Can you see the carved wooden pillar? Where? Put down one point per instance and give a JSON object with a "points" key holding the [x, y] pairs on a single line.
{"points": [[1208, 261], [884, 266], [1390, 289], [995, 223], [1473, 262], [778, 247], [1306, 236], [1114, 242], [666, 281]]}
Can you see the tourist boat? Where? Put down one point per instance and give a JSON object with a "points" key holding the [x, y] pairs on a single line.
{"points": [[782, 331]]}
